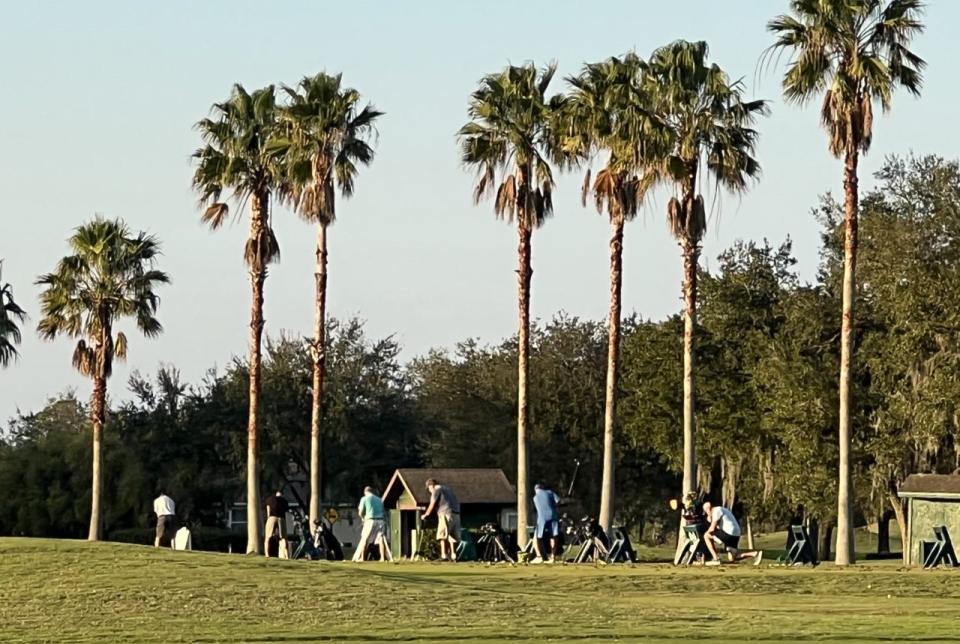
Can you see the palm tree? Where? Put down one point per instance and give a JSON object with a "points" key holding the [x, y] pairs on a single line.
{"points": [[327, 138], [10, 315], [237, 156], [508, 135], [854, 53], [707, 131], [606, 111], [109, 276]]}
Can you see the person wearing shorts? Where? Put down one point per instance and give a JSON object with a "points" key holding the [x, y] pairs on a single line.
{"points": [[166, 511], [277, 508], [545, 501], [724, 529], [444, 502], [374, 529]]}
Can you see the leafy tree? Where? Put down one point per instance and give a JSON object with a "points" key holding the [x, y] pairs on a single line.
{"points": [[327, 139], [854, 53], [509, 134], [109, 277], [706, 123], [237, 155], [606, 113], [10, 315]]}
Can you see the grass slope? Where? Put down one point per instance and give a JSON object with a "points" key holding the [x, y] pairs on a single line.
{"points": [[72, 591]]}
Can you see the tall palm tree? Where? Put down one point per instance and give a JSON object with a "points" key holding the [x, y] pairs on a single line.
{"points": [[508, 140], [854, 52], [10, 315], [707, 131], [109, 276], [327, 137], [237, 156], [606, 111]]}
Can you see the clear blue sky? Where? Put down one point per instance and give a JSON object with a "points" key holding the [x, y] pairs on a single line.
{"points": [[98, 105]]}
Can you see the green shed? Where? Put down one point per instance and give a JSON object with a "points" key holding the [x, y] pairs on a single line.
{"points": [[485, 496], [932, 500]]}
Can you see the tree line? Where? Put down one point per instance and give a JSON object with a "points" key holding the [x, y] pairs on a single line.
{"points": [[767, 405], [675, 120]]}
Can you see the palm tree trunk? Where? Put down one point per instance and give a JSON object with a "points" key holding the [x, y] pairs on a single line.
{"points": [[691, 253], [608, 487], [524, 274], [258, 275], [318, 353], [845, 545], [98, 403]]}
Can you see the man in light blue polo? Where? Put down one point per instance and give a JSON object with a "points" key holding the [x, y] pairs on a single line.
{"points": [[545, 501], [374, 525]]}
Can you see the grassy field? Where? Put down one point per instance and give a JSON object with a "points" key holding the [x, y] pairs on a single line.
{"points": [[72, 591]]}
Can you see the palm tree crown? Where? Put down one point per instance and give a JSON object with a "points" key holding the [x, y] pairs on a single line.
{"points": [[10, 315], [237, 156], [110, 275], [707, 123], [326, 137], [854, 52], [509, 134], [608, 110]]}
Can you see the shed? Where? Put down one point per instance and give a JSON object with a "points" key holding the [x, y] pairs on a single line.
{"points": [[932, 500], [485, 495]]}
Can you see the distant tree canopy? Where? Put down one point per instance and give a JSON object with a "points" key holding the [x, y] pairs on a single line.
{"points": [[766, 420]]}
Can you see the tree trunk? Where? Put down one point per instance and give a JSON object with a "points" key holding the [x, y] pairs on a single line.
{"points": [[845, 540], [259, 214], [608, 488], [900, 510], [826, 539], [524, 274], [98, 403], [691, 253], [883, 532], [318, 350]]}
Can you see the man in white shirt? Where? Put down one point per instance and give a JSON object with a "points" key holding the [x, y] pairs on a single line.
{"points": [[725, 530], [166, 511]]}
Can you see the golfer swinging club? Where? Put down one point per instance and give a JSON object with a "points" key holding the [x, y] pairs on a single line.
{"points": [[447, 508]]}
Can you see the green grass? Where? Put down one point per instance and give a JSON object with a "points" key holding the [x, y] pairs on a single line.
{"points": [[71, 591]]}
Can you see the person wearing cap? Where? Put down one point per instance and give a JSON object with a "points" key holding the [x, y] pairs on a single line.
{"points": [[444, 502], [545, 501], [374, 525], [724, 529]]}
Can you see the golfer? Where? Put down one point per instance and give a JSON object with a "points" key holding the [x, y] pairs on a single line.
{"points": [[445, 504], [545, 501], [374, 525], [724, 529], [166, 511], [277, 508]]}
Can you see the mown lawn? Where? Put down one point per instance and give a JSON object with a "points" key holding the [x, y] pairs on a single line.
{"points": [[72, 591]]}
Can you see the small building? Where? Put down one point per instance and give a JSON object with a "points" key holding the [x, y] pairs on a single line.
{"points": [[932, 500], [485, 496]]}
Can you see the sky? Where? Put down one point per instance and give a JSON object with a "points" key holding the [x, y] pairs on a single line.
{"points": [[99, 102]]}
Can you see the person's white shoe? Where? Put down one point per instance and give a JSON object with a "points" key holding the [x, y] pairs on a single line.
{"points": [[714, 562], [758, 558], [536, 560]]}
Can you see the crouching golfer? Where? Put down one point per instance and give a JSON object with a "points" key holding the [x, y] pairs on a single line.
{"points": [[725, 530], [374, 526], [444, 502]]}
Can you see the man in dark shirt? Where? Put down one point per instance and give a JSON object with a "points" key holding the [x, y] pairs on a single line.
{"points": [[277, 508], [444, 502]]}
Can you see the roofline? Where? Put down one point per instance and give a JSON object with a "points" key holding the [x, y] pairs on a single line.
{"points": [[929, 495]]}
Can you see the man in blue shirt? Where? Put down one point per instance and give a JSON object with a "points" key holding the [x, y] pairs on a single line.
{"points": [[374, 525], [545, 501]]}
